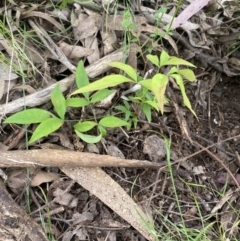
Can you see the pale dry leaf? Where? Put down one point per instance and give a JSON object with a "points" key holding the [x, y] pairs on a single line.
{"points": [[167, 19], [82, 217], [6, 74], [92, 148], [43, 177], [222, 201], [92, 42], [17, 179], [154, 147], [229, 217], [230, 7], [132, 58], [85, 27], [63, 14], [113, 150], [35, 55], [96, 181], [2, 87], [109, 39], [62, 197], [194, 7], [46, 17], [74, 51]]}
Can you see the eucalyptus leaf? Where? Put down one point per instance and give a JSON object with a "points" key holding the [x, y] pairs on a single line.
{"points": [[45, 128], [30, 116]]}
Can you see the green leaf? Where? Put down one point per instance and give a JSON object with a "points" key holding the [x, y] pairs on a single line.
{"points": [[153, 104], [177, 61], [82, 79], [30, 116], [101, 95], [126, 111], [105, 82], [186, 101], [187, 74], [147, 111], [164, 57], [112, 122], [126, 68], [102, 130], [153, 59], [58, 101], [147, 83], [89, 138], [45, 128], [159, 84], [84, 126], [173, 70], [77, 102]]}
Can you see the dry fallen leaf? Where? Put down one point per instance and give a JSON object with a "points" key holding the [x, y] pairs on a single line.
{"points": [[96, 181], [74, 52], [155, 147], [18, 179]]}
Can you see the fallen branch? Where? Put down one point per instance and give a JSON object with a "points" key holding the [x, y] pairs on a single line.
{"points": [[15, 223], [65, 158]]}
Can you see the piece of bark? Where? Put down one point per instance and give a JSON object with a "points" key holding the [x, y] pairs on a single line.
{"points": [[43, 96], [66, 158], [15, 224]]}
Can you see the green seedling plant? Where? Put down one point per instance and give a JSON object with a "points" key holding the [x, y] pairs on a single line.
{"points": [[49, 122], [156, 85], [150, 96]]}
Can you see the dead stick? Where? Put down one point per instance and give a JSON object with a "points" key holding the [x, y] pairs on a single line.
{"points": [[65, 158]]}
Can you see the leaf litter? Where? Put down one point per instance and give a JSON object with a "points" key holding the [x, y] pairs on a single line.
{"points": [[101, 202]]}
